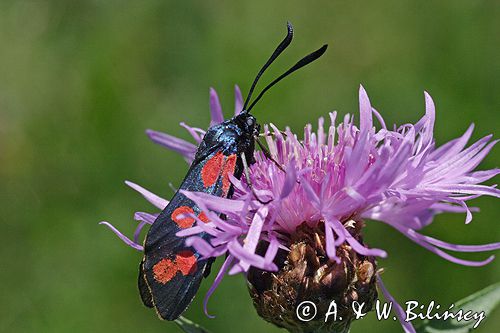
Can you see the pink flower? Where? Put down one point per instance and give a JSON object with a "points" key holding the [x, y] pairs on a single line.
{"points": [[335, 176]]}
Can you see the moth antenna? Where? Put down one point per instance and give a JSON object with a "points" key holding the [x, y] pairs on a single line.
{"points": [[281, 47], [301, 63]]}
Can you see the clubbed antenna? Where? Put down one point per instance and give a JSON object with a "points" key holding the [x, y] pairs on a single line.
{"points": [[281, 47], [301, 63]]}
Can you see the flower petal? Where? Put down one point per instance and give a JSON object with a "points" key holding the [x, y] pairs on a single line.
{"points": [[455, 247], [290, 180], [400, 313], [195, 132], [422, 242], [124, 238], [365, 111], [212, 202], [225, 266], [181, 146], [238, 100], [149, 196], [215, 109], [253, 234]]}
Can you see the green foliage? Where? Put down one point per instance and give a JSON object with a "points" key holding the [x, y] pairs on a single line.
{"points": [[484, 300], [188, 326], [81, 80]]}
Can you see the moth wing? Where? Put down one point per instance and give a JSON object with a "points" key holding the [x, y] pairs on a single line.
{"points": [[172, 298], [144, 291], [171, 272]]}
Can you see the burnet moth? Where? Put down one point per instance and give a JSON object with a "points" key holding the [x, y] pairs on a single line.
{"points": [[171, 272]]}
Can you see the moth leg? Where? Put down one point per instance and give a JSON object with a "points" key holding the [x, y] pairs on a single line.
{"points": [[208, 269], [267, 154], [249, 182]]}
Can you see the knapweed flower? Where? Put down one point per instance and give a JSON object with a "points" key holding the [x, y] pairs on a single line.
{"points": [[295, 226]]}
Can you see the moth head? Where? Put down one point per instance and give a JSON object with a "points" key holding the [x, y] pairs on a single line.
{"points": [[247, 123]]}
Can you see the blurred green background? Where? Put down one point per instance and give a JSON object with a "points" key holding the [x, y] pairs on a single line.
{"points": [[80, 81]]}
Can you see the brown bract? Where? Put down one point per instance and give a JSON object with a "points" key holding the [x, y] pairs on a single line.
{"points": [[307, 274]]}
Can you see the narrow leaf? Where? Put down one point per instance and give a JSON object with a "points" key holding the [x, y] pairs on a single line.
{"points": [[188, 326], [481, 303]]}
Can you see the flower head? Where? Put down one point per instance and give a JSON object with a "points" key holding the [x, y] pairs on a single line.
{"points": [[332, 180]]}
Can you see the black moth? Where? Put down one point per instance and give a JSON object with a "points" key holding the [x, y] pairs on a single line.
{"points": [[171, 272]]}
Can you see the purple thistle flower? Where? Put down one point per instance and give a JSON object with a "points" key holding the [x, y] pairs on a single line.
{"points": [[334, 179]]}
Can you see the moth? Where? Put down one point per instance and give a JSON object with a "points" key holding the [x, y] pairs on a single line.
{"points": [[170, 272]]}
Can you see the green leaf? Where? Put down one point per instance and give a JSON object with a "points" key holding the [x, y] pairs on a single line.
{"points": [[188, 326], [484, 300]]}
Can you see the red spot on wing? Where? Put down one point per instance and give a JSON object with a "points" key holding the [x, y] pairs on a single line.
{"points": [[203, 217], [228, 169], [212, 169], [164, 270], [186, 262], [183, 221]]}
